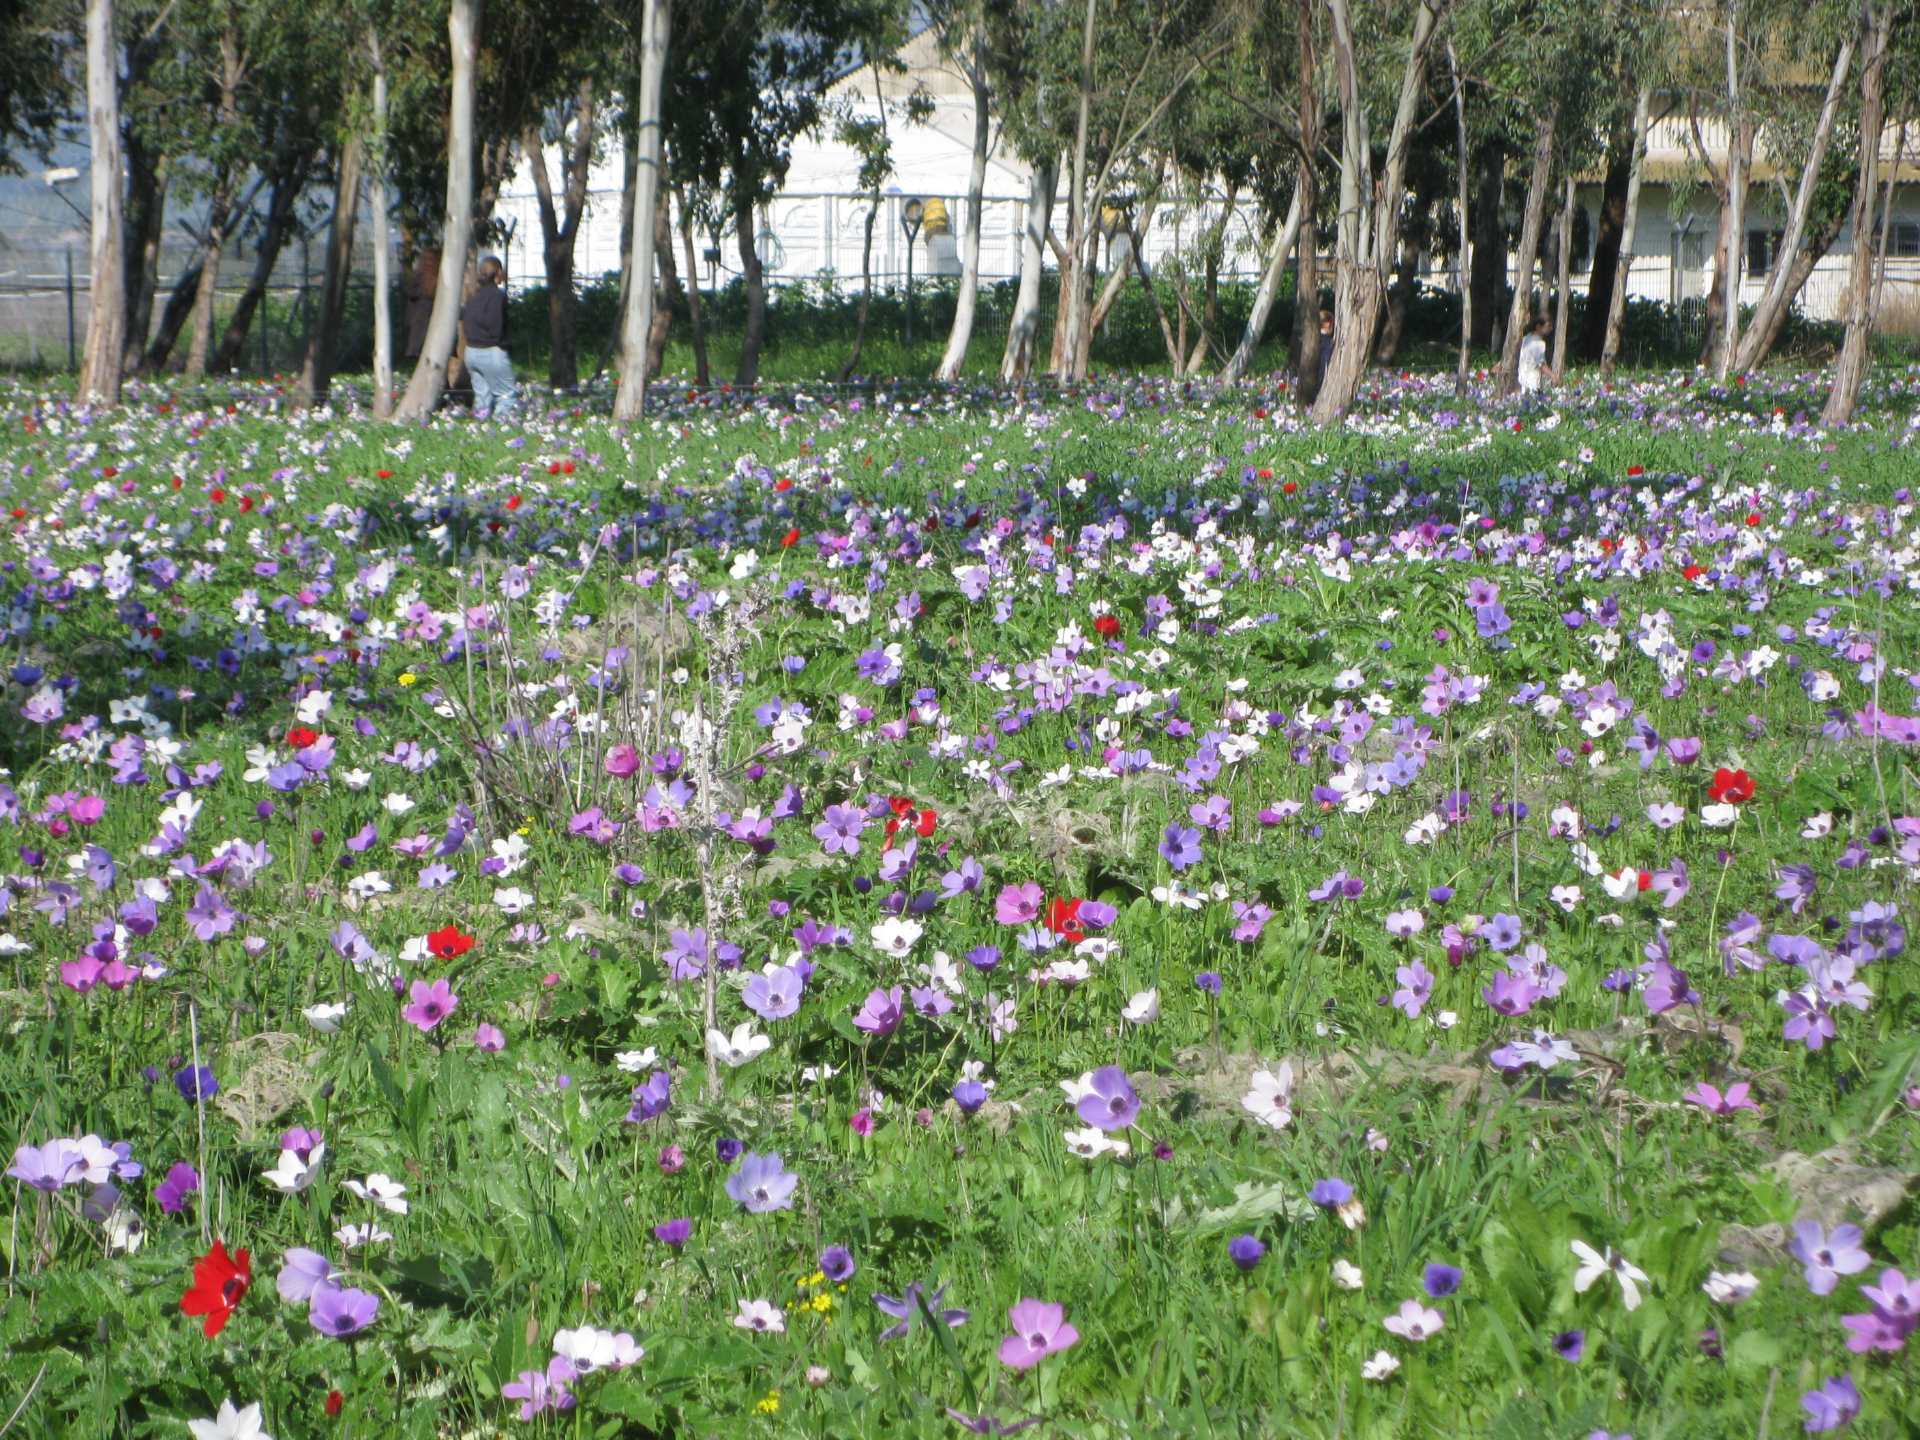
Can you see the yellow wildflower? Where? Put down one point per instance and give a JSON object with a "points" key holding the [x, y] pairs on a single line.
{"points": [[769, 1404], [407, 677]]}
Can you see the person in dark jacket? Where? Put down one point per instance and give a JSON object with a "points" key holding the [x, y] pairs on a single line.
{"points": [[484, 322], [1326, 342]]}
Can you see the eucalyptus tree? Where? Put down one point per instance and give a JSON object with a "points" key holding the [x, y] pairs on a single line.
{"points": [[642, 210], [1388, 43], [1881, 21], [429, 378], [747, 78], [962, 29], [100, 369], [1834, 28]]}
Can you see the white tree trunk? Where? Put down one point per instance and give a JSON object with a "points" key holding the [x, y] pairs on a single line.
{"points": [[107, 295], [1520, 313], [1369, 233], [1776, 295], [1851, 367], [1024, 329], [1623, 264], [656, 25], [1736, 203], [1563, 286], [1073, 285], [429, 380], [382, 281], [1466, 229], [962, 333], [1267, 293]]}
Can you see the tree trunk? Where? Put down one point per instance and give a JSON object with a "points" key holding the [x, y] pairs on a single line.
{"points": [[1073, 274], [186, 286], [1062, 298], [629, 173], [1762, 336], [1304, 344], [106, 308], [1463, 260], [1406, 280], [962, 333], [1369, 220], [866, 288], [146, 207], [1116, 282], [1776, 296], [669, 295], [1016, 363], [702, 375], [182, 302], [1851, 367], [1563, 290], [636, 321], [273, 238], [382, 241], [1737, 157], [1209, 317], [316, 365], [748, 372], [1886, 211], [1267, 292], [1175, 350], [219, 203], [1629, 219], [559, 234], [200, 346], [429, 380], [1530, 227], [556, 256], [1716, 296], [1728, 244], [1607, 242], [1488, 276]]}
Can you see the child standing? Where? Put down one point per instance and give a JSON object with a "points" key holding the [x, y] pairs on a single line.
{"points": [[1533, 357], [484, 321]]}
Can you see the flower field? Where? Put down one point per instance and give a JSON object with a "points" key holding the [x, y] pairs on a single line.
{"points": [[1111, 914]]}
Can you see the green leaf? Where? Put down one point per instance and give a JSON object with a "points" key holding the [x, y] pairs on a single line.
{"points": [[948, 1347], [1753, 1350]]}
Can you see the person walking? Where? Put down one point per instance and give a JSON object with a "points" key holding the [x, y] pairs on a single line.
{"points": [[484, 321]]}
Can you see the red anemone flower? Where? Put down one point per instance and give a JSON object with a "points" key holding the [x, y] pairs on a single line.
{"points": [[449, 943], [790, 539], [220, 1283], [1107, 627], [300, 737], [1063, 919], [1731, 787]]}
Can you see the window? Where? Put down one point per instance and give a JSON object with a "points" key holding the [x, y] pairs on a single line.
{"points": [[1763, 249], [1904, 241]]}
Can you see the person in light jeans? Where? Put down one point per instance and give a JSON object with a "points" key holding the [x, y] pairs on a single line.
{"points": [[483, 319]]}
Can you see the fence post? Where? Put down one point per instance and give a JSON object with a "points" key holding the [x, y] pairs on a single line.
{"points": [[73, 359]]}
